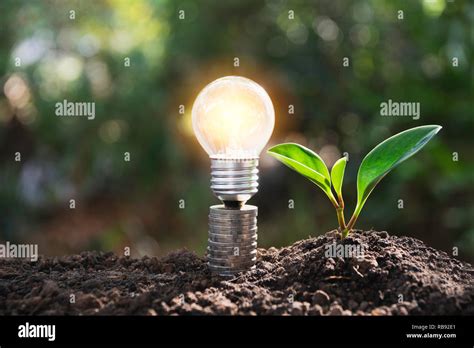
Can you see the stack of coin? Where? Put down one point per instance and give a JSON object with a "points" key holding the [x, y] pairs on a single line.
{"points": [[232, 244]]}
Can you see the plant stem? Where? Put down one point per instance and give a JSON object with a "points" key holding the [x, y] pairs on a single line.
{"points": [[352, 221], [339, 205], [340, 215], [341, 201], [340, 218]]}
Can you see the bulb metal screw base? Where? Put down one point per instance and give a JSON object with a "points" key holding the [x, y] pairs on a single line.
{"points": [[232, 243], [234, 181]]}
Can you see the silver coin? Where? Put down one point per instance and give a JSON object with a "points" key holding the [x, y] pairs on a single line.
{"points": [[236, 212], [244, 209], [231, 213], [241, 244], [233, 228], [244, 244], [231, 267], [229, 219], [232, 250], [222, 246], [219, 242], [233, 264], [229, 232], [235, 251], [224, 254], [232, 223], [219, 254], [232, 217], [222, 238], [232, 259], [223, 233], [235, 240], [230, 256], [243, 236]]}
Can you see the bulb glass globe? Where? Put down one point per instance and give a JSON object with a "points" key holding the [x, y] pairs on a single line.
{"points": [[233, 118]]}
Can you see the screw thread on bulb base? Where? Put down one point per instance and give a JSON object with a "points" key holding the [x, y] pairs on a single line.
{"points": [[234, 181]]}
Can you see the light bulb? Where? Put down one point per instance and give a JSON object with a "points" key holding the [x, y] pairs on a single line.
{"points": [[233, 119]]}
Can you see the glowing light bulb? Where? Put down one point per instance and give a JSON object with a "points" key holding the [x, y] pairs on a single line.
{"points": [[233, 118]]}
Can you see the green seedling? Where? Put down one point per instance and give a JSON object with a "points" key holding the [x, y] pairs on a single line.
{"points": [[378, 163]]}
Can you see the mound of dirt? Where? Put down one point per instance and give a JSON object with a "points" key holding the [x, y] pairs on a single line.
{"points": [[395, 276]]}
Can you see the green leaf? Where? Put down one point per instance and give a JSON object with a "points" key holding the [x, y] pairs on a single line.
{"points": [[305, 162], [337, 175], [387, 155]]}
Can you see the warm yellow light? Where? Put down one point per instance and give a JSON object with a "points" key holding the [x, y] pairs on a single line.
{"points": [[233, 117]]}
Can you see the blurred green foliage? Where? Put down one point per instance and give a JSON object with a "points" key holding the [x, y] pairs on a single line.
{"points": [[159, 199]]}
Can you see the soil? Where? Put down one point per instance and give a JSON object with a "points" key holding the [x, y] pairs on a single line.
{"points": [[396, 276]]}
